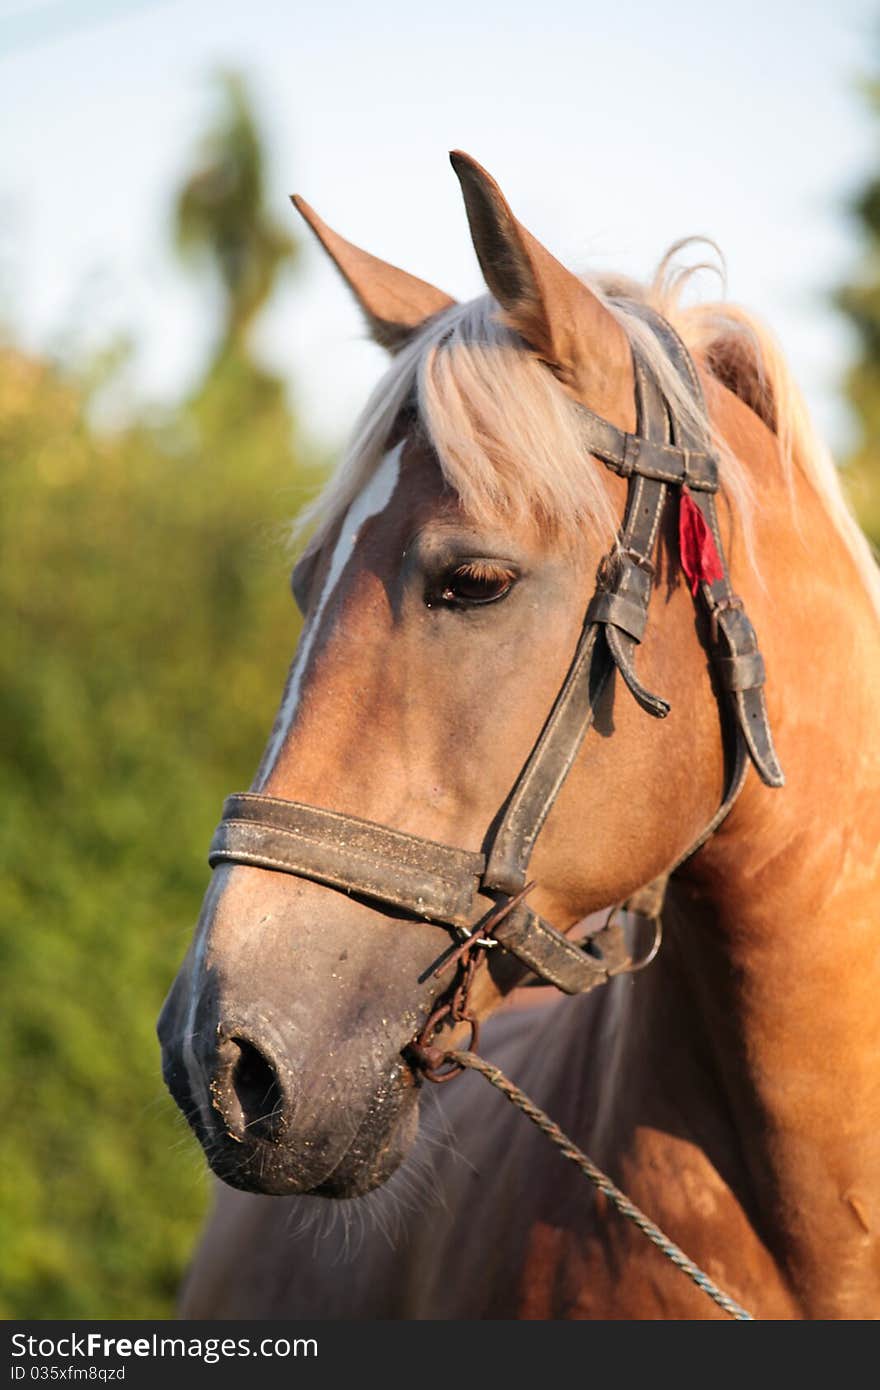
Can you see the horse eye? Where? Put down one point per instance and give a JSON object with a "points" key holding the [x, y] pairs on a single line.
{"points": [[476, 582]]}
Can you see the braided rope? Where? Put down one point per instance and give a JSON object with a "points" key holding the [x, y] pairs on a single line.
{"points": [[600, 1180]]}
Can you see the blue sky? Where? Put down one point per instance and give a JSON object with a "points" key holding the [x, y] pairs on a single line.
{"points": [[613, 129]]}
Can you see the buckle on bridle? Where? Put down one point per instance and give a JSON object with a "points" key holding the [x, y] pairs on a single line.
{"points": [[430, 1059]]}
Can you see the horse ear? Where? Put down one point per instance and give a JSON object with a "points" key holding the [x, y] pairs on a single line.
{"points": [[395, 303], [558, 316]]}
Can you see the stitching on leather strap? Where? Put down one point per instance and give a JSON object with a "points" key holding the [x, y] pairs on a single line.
{"points": [[447, 876], [744, 671], [436, 881], [364, 837], [546, 951]]}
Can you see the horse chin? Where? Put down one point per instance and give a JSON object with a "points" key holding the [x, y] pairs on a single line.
{"points": [[364, 1167], [286, 1168]]}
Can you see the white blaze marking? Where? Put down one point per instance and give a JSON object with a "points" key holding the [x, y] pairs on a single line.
{"points": [[371, 502]]}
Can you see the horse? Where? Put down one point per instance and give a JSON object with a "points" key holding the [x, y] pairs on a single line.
{"points": [[732, 1089]]}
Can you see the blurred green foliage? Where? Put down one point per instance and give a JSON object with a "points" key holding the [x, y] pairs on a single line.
{"points": [[860, 301], [220, 219], [147, 628]]}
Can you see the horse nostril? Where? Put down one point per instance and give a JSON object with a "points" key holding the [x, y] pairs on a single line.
{"points": [[247, 1092]]}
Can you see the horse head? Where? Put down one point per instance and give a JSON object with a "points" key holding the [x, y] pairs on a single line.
{"points": [[443, 595]]}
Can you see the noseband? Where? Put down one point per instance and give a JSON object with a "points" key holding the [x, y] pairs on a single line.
{"points": [[460, 889]]}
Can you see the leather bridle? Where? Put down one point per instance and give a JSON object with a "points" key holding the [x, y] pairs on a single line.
{"points": [[460, 889]]}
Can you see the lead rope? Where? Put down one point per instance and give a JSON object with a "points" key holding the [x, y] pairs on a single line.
{"points": [[599, 1180]]}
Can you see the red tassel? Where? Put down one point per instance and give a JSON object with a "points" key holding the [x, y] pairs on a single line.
{"points": [[696, 544]]}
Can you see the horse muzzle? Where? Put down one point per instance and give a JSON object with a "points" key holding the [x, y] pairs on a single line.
{"points": [[284, 1034]]}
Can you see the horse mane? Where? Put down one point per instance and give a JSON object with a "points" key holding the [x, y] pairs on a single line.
{"points": [[510, 443]]}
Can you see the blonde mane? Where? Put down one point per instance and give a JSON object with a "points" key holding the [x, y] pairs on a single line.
{"points": [[510, 443]]}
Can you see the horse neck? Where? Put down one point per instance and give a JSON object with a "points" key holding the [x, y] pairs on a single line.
{"points": [[774, 949]]}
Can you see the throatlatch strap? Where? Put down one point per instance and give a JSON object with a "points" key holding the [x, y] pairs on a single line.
{"points": [[733, 643]]}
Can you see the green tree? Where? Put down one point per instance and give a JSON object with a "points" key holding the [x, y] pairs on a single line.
{"points": [[146, 628], [860, 302], [221, 218]]}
